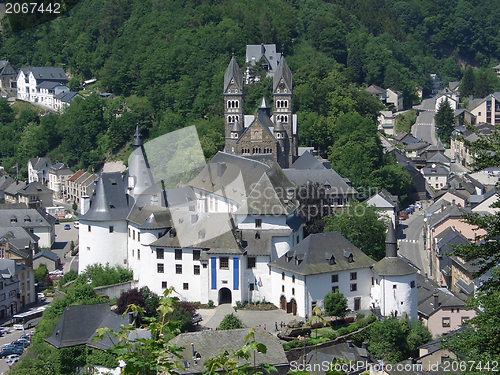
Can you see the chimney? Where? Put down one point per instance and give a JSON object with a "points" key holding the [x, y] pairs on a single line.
{"points": [[365, 345], [350, 344], [85, 205], [442, 207], [452, 202], [436, 301], [192, 350], [221, 168]]}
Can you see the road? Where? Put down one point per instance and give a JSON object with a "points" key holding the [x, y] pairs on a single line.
{"points": [[62, 246], [7, 339], [424, 128], [411, 241]]}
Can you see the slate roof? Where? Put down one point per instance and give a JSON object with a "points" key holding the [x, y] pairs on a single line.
{"points": [[307, 161], [109, 201], [34, 187], [283, 71], [375, 90], [346, 351], [439, 158], [180, 196], [392, 264], [437, 218], [13, 189], [5, 182], [151, 217], [233, 72], [66, 96], [245, 180], [255, 52], [18, 232], [58, 166], [47, 85], [323, 176], [210, 343], [77, 326], [445, 299], [12, 265], [46, 73], [39, 163], [449, 238], [312, 255], [37, 218], [438, 171], [47, 254], [262, 244]]}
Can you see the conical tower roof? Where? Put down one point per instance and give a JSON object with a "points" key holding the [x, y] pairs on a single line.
{"points": [[237, 127], [233, 72], [391, 244], [264, 104], [137, 141], [283, 72]]}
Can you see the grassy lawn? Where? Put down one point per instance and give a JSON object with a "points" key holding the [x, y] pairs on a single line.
{"points": [[405, 121]]}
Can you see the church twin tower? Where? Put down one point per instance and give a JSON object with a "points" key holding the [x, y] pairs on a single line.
{"points": [[263, 132]]}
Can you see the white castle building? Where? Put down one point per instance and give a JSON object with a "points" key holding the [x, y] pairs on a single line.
{"points": [[231, 235]]}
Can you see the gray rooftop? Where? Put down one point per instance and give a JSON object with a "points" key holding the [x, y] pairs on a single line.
{"points": [[25, 217], [46, 73], [307, 161], [283, 72], [47, 254], [255, 52], [211, 343], [233, 72], [446, 298], [66, 96], [313, 255], [109, 201]]}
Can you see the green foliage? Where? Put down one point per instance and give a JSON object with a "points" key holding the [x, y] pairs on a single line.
{"points": [[392, 340], [405, 121], [40, 273], [98, 275], [210, 304], [445, 120], [360, 224], [152, 301], [230, 321], [335, 304], [68, 276]]}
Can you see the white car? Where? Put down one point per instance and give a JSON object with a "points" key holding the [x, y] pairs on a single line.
{"points": [[41, 296], [4, 330], [11, 359], [76, 224]]}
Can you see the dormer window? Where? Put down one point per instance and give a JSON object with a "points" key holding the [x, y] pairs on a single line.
{"points": [[27, 219], [13, 219], [331, 260]]}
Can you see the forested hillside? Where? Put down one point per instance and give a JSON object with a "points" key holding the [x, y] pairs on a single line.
{"points": [[165, 60]]}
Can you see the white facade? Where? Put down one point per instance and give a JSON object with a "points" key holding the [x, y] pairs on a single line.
{"points": [[104, 242], [396, 295]]}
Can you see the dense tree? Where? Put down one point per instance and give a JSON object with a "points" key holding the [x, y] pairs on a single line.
{"points": [[40, 273], [467, 85], [130, 297], [444, 119], [360, 224], [335, 304]]}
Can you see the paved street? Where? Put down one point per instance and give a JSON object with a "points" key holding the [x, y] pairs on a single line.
{"points": [[424, 126], [411, 242], [7, 339]]}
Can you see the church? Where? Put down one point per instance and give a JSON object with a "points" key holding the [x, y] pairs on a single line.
{"points": [[263, 133]]}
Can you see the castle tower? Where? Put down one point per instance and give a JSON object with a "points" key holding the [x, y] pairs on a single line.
{"points": [[233, 102], [395, 289], [283, 112]]}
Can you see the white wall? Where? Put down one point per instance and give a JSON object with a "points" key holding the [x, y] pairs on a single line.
{"points": [[100, 246], [402, 299]]}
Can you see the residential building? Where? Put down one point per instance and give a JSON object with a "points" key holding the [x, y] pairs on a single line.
{"points": [[58, 175], [79, 185], [5, 182], [442, 311], [387, 205], [386, 122], [261, 133], [35, 195], [460, 151], [451, 97], [38, 169], [9, 294], [436, 176], [496, 69], [11, 193], [18, 244], [36, 221], [378, 92], [486, 110], [266, 56], [394, 99], [26, 277], [30, 79], [64, 99], [345, 351], [47, 257], [7, 76]]}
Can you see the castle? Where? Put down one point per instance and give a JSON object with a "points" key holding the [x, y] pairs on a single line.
{"points": [[233, 234]]}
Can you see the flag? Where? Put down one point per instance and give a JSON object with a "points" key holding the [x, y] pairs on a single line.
{"points": [[256, 283], [260, 282]]}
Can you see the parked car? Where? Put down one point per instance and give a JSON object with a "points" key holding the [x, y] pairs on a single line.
{"points": [[67, 227], [41, 296], [11, 359], [4, 330], [10, 350], [196, 318], [21, 342], [76, 224]]}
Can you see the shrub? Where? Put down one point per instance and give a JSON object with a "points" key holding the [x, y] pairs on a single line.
{"points": [[353, 328], [230, 321], [371, 318], [210, 304], [342, 331], [331, 335], [239, 305], [317, 325], [360, 316]]}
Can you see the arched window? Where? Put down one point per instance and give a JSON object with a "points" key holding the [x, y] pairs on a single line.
{"points": [[286, 103]]}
